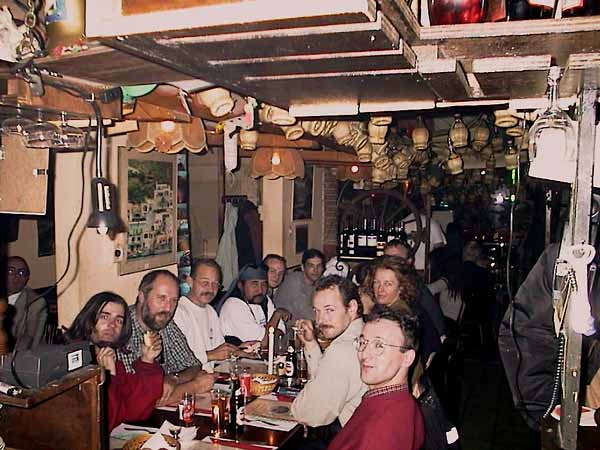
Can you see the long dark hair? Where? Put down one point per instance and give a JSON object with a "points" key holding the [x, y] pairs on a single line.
{"points": [[85, 322]]}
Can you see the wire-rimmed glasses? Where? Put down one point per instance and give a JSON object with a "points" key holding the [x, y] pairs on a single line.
{"points": [[377, 346]]}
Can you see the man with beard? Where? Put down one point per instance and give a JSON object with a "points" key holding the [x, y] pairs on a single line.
{"points": [[296, 291], [158, 294], [335, 389], [248, 317], [198, 320]]}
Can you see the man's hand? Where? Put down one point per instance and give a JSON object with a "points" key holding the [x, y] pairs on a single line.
{"points": [[106, 357], [306, 331], [169, 387], [223, 351], [283, 314], [203, 382], [151, 347]]}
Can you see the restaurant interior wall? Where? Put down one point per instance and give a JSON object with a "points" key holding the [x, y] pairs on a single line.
{"points": [[279, 230], [42, 268], [93, 267], [205, 191]]}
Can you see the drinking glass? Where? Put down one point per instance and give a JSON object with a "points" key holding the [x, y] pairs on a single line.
{"points": [[186, 408], [219, 405]]}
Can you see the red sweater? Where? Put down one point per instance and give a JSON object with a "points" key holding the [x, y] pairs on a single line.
{"points": [[132, 396], [389, 421]]}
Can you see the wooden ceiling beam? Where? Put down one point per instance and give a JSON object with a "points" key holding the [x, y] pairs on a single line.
{"points": [[268, 140]]}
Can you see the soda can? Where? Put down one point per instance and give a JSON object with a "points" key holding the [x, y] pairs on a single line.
{"points": [[245, 382]]}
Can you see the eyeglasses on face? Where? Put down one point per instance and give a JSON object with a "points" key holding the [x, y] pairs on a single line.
{"points": [[13, 271], [377, 346], [205, 284]]}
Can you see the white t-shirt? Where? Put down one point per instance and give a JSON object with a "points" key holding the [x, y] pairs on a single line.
{"points": [[201, 327], [436, 237], [451, 305], [12, 299], [245, 321]]}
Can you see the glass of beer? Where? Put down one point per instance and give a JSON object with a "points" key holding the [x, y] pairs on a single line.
{"points": [[186, 408], [219, 404]]}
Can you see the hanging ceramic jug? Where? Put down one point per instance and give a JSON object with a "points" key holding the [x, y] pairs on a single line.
{"points": [[420, 136], [459, 134]]}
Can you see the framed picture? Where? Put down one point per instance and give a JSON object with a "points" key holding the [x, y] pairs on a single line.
{"points": [[303, 195], [148, 201]]}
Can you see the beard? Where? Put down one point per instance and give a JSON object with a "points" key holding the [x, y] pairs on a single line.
{"points": [[257, 299], [155, 322]]}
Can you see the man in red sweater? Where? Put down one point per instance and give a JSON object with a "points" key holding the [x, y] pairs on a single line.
{"points": [[388, 417]]}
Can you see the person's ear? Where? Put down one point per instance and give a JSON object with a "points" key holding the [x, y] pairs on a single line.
{"points": [[141, 298], [353, 306], [240, 286], [189, 280], [409, 358]]}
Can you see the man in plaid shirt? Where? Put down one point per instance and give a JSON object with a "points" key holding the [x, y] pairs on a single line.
{"points": [[153, 312]]}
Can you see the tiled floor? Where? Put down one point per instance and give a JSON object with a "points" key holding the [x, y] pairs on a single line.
{"points": [[488, 419]]}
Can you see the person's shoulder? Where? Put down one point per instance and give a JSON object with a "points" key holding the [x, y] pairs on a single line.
{"points": [[231, 304]]}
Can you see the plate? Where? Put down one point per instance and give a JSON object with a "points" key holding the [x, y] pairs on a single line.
{"points": [[586, 419]]}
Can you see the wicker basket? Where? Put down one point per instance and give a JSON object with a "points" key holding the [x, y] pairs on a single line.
{"points": [[262, 384]]}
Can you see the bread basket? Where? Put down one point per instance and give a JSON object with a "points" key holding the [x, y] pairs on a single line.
{"points": [[262, 384], [138, 442]]}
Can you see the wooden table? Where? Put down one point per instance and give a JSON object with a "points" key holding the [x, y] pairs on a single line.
{"points": [[281, 439], [588, 438], [65, 414]]}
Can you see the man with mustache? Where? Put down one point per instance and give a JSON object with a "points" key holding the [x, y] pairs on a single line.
{"points": [[335, 389], [158, 294], [249, 316], [198, 320]]}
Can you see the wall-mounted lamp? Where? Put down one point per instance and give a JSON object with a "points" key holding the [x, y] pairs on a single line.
{"points": [[104, 215]]}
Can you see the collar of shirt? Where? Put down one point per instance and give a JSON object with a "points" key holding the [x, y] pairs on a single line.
{"points": [[385, 390]]}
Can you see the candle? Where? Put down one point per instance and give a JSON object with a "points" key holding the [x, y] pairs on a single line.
{"points": [[271, 347]]}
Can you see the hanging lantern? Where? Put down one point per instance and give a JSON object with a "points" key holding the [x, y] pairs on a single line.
{"points": [[273, 163], [480, 135], [420, 136], [354, 172], [511, 157], [459, 134], [402, 162], [169, 137], [454, 163]]}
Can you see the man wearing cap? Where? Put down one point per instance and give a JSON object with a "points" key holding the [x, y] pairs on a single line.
{"points": [[249, 316]]}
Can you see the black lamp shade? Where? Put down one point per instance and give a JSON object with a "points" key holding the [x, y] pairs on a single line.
{"points": [[104, 214]]}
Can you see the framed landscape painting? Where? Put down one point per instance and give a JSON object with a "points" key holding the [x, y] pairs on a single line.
{"points": [[148, 200]]}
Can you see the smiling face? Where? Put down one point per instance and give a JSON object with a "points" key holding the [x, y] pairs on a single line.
{"points": [[109, 324], [205, 284], [392, 364], [275, 272], [158, 306], [385, 287], [331, 315]]}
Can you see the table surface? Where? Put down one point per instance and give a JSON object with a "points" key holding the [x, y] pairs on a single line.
{"points": [[251, 435]]}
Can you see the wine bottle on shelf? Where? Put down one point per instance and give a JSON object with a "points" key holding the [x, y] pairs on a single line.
{"points": [[372, 239], [351, 240], [518, 10], [361, 239], [573, 8], [541, 9], [496, 11], [381, 239], [343, 240], [449, 12]]}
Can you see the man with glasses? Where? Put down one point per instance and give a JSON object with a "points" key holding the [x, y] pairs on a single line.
{"points": [[197, 318], [27, 314], [334, 390], [388, 417]]}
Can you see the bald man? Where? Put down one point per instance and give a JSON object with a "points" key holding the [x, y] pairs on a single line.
{"points": [[28, 312]]}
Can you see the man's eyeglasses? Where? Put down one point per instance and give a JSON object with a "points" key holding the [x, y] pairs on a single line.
{"points": [[205, 284], [13, 271], [377, 346]]}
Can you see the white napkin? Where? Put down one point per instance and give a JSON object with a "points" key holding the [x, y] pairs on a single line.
{"points": [[269, 423], [125, 431], [185, 434]]}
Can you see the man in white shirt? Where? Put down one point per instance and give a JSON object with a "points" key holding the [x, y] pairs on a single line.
{"points": [[335, 389], [249, 316], [197, 318], [436, 237]]}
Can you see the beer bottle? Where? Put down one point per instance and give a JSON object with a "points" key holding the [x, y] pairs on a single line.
{"points": [[290, 362], [236, 404]]}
